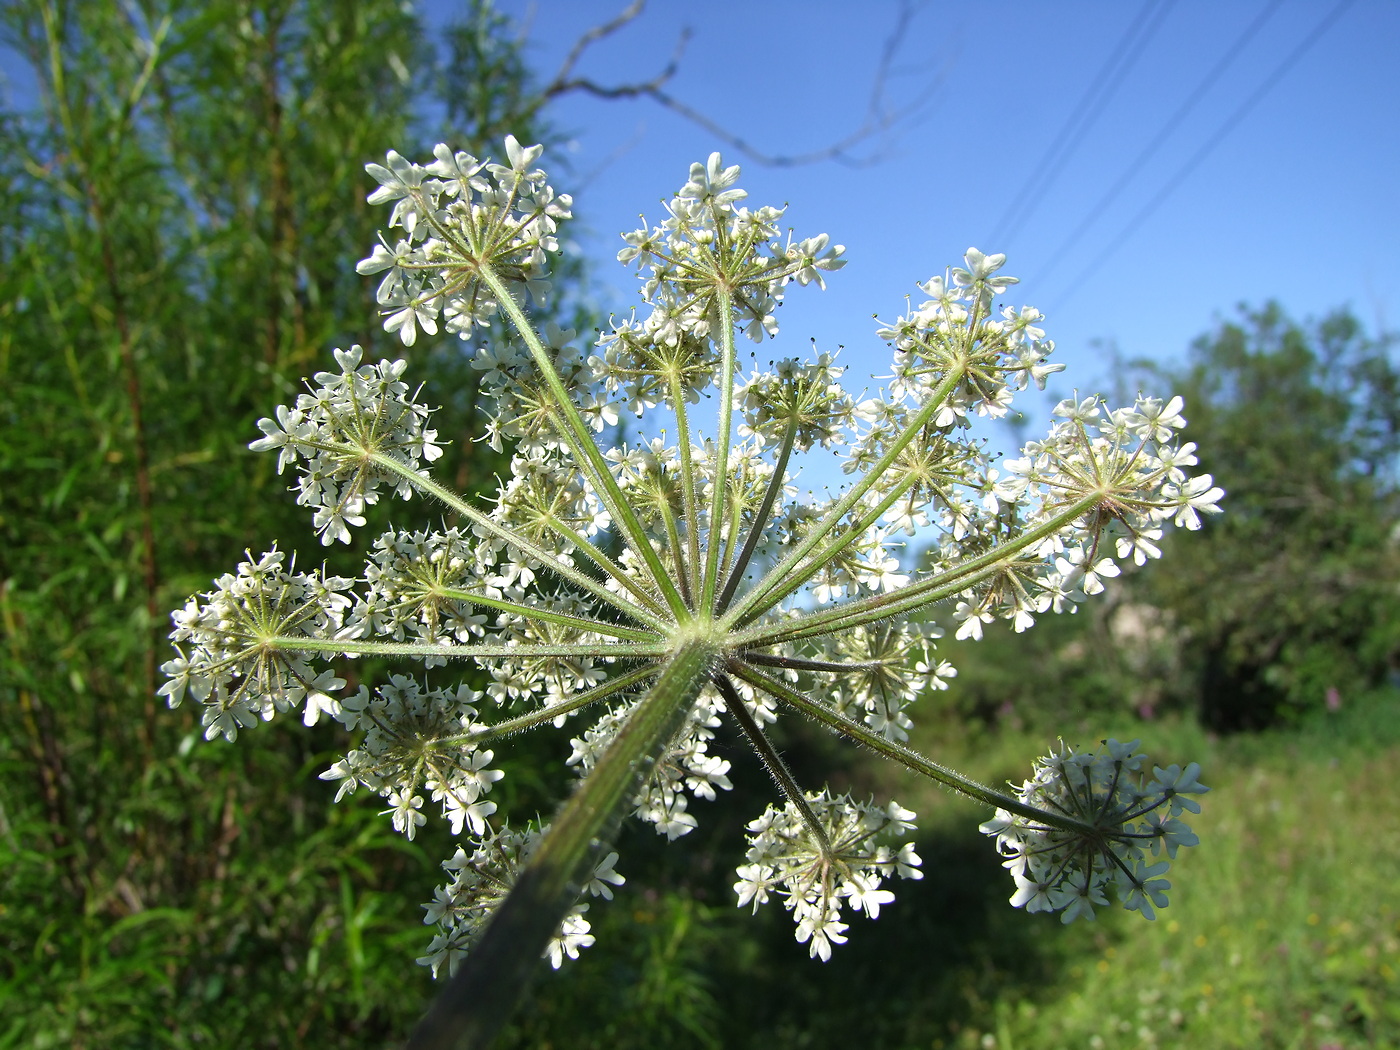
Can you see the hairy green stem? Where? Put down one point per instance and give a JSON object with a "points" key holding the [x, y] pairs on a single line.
{"points": [[492, 978], [545, 615], [540, 554], [783, 577], [352, 647], [692, 505], [594, 554], [581, 443], [760, 521], [773, 762], [906, 757], [613, 686], [917, 595], [719, 487]]}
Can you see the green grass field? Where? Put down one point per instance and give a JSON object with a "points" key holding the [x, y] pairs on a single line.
{"points": [[1284, 927], [1283, 931]]}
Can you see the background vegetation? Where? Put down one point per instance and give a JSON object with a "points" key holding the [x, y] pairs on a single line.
{"points": [[182, 216], [179, 215]]}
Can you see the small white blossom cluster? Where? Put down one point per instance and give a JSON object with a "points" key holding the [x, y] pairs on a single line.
{"points": [[505, 213], [1123, 817], [1131, 455], [481, 880], [403, 726], [659, 588], [686, 766], [220, 663], [888, 665], [407, 577], [708, 239], [332, 429], [806, 396], [842, 860]]}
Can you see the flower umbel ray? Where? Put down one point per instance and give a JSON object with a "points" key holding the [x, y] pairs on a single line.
{"points": [[643, 592]]}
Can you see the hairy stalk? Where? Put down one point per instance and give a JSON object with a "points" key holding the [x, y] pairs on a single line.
{"points": [[760, 521], [484, 991], [783, 579], [721, 468], [916, 596], [904, 756], [534, 550], [772, 761], [581, 443]]}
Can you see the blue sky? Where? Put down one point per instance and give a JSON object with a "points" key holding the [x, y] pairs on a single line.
{"points": [[1296, 199], [1269, 133]]}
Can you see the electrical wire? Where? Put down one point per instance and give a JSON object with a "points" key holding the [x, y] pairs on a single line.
{"points": [[1232, 52], [1215, 139], [1121, 58]]}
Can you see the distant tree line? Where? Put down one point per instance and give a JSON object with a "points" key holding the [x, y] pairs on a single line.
{"points": [[1289, 601]]}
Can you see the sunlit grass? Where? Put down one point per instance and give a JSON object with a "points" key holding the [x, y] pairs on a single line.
{"points": [[1284, 928]]}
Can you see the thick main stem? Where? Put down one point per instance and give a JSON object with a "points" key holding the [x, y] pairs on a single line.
{"points": [[485, 990]]}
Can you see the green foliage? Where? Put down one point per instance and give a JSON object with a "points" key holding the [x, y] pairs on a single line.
{"points": [[1289, 596], [1284, 933], [1281, 932], [181, 213], [1295, 590], [1114, 654]]}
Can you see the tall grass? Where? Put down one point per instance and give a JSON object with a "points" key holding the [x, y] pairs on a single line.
{"points": [[1283, 932]]}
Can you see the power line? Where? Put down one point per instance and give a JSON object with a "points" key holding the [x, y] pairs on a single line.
{"points": [[1220, 133], [1121, 59], [1046, 166], [1100, 206]]}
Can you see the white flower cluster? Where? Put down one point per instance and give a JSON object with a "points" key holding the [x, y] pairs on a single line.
{"points": [[221, 663], [686, 766], [1127, 457], [331, 432], [453, 212], [708, 242], [407, 580], [404, 726], [1114, 817], [888, 666], [808, 397], [482, 879], [660, 587], [817, 869]]}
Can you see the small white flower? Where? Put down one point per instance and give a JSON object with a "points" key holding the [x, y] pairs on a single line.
{"points": [[573, 936]]}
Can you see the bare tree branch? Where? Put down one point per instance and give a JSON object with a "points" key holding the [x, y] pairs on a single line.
{"points": [[880, 117], [597, 33]]}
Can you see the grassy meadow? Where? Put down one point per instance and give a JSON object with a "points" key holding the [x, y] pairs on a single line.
{"points": [[1284, 927], [1283, 930]]}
